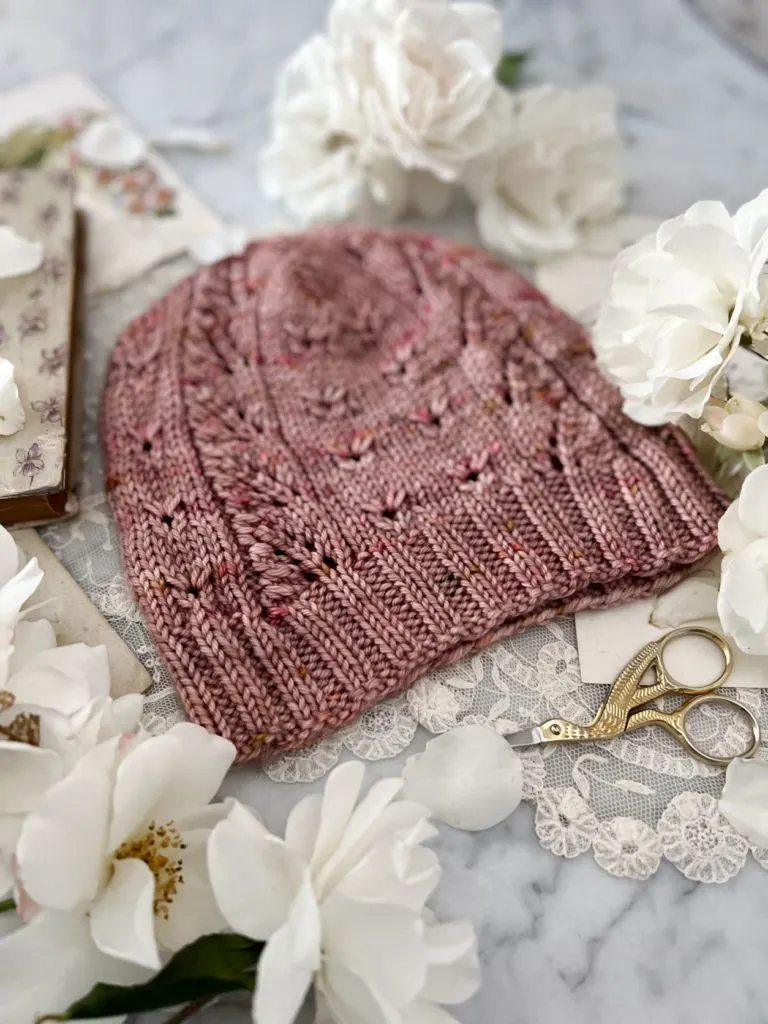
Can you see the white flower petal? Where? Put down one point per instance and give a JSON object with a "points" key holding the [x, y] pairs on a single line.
{"points": [[18, 590], [26, 772], [732, 535], [303, 825], [453, 972], [753, 502], [474, 800], [63, 678], [18, 255], [380, 943], [200, 766], [109, 143], [141, 780], [342, 789], [122, 919], [9, 556], [346, 998], [30, 638], [12, 416], [421, 1012], [254, 875], [393, 872], [289, 961], [70, 819], [193, 911], [51, 962], [744, 800], [742, 602]]}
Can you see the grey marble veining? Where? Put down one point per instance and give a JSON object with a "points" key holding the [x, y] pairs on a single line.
{"points": [[560, 940]]}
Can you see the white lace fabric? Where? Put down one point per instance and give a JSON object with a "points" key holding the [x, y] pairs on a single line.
{"points": [[630, 802]]}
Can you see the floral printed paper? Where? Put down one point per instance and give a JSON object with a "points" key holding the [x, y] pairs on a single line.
{"points": [[35, 328]]}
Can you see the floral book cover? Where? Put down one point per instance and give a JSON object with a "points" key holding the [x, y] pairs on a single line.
{"points": [[38, 328]]}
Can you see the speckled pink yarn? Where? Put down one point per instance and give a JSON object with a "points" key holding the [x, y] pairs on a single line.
{"points": [[346, 457]]}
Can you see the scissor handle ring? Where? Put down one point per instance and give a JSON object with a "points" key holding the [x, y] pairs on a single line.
{"points": [[708, 634], [710, 699]]}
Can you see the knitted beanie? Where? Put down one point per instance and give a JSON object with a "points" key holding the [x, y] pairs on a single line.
{"points": [[346, 457]]}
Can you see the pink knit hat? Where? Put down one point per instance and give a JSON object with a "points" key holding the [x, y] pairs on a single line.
{"points": [[346, 457]]}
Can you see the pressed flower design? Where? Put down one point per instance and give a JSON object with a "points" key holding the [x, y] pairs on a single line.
{"points": [[51, 409], [54, 360], [33, 322], [29, 462]]}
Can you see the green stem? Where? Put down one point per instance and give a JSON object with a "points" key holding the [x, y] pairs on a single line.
{"points": [[189, 1011], [6, 905]]}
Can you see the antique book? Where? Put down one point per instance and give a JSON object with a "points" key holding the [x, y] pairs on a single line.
{"points": [[39, 314]]}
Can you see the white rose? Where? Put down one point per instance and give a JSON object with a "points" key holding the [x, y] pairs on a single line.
{"points": [[422, 73], [320, 162], [740, 423], [742, 602], [680, 302], [557, 169]]}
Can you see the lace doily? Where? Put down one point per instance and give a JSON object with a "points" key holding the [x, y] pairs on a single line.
{"points": [[629, 802]]}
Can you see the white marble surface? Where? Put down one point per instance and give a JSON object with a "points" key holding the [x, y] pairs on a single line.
{"points": [[560, 940]]}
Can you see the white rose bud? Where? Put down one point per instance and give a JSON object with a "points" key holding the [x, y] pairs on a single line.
{"points": [[740, 423]]}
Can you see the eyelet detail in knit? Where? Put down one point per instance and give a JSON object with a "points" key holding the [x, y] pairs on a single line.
{"points": [[343, 458]]}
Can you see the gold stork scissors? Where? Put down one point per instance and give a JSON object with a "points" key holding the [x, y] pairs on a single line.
{"points": [[626, 706]]}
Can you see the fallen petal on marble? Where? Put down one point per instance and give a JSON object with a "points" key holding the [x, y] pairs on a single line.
{"points": [[689, 601], [192, 137], [18, 255], [744, 801], [208, 249], [111, 144], [470, 778], [12, 416]]}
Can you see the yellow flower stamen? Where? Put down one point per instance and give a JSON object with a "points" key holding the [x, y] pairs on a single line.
{"points": [[157, 849]]}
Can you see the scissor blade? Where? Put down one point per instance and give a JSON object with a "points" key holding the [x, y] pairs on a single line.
{"points": [[526, 738]]}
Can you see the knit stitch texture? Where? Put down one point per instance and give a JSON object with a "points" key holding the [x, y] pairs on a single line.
{"points": [[346, 457]]}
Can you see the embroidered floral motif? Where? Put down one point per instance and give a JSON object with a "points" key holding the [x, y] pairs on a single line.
{"points": [[29, 462], [698, 840], [51, 409], [557, 670], [627, 848], [53, 362], [382, 731], [433, 705], [305, 765], [564, 823]]}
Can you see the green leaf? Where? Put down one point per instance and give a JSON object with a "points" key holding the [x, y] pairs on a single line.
{"points": [[208, 967], [6, 905], [753, 459], [510, 67]]}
